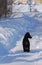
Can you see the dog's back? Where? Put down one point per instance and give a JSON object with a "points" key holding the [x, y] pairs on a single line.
{"points": [[26, 43]]}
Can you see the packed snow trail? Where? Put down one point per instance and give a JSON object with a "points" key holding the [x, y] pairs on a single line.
{"points": [[12, 31]]}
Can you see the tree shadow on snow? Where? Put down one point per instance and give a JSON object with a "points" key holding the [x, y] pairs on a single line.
{"points": [[36, 51], [20, 56]]}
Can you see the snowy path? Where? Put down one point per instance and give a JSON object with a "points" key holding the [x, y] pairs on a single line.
{"points": [[12, 31], [22, 58]]}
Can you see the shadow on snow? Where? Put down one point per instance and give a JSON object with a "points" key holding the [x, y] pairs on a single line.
{"points": [[19, 57]]}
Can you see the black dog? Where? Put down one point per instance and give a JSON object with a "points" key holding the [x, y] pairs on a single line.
{"points": [[26, 43]]}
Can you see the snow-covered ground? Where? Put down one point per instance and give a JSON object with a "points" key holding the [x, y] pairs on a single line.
{"points": [[12, 31], [19, 9], [26, 7], [38, 7]]}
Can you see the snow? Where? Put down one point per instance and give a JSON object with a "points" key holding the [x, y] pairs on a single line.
{"points": [[36, 44], [20, 8], [26, 8], [12, 31], [38, 7], [5, 35]]}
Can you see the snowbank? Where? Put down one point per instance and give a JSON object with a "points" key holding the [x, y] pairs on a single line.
{"points": [[38, 7]]}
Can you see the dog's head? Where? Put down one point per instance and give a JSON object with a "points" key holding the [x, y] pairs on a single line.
{"points": [[27, 35]]}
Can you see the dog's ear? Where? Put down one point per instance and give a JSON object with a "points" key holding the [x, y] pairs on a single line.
{"points": [[28, 35]]}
